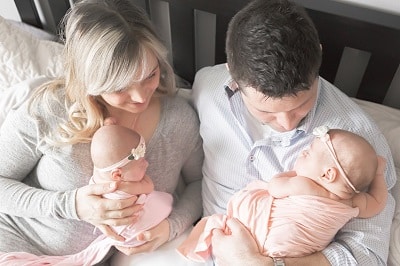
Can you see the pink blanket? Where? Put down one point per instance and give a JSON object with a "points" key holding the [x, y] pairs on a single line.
{"points": [[286, 227], [157, 206]]}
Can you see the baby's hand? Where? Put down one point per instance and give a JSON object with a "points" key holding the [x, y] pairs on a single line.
{"points": [[110, 121]]}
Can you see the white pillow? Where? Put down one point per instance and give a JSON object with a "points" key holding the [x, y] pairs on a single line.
{"points": [[17, 94], [388, 120], [23, 56]]}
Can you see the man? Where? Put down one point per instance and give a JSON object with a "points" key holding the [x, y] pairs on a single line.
{"points": [[259, 111]]}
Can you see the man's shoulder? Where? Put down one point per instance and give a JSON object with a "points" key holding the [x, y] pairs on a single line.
{"points": [[332, 96], [210, 81], [214, 73]]}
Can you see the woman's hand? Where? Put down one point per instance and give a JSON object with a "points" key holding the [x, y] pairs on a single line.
{"points": [[236, 246], [101, 212], [155, 237]]}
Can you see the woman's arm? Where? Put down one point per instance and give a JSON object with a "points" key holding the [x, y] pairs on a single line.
{"points": [[38, 181], [189, 156], [19, 157]]}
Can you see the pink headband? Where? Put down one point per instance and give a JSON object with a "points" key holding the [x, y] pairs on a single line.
{"points": [[321, 132], [136, 154]]}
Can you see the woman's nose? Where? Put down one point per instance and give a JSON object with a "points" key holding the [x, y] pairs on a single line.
{"points": [[138, 93]]}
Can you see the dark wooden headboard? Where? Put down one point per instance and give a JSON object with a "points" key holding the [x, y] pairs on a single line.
{"points": [[361, 46]]}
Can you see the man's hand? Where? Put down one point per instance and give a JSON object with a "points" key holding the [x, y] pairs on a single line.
{"points": [[236, 247]]}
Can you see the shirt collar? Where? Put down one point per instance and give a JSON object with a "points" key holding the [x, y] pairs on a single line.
{"points": [[231, 87]]}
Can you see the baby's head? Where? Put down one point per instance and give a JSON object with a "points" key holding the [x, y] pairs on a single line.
{"points": [[118, 152], [354, 159]]}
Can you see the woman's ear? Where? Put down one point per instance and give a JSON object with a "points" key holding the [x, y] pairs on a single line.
{"points": [[330, 174], [116, 174]]}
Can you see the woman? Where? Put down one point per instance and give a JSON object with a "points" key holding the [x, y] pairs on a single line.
{"points": [[115, 66]]}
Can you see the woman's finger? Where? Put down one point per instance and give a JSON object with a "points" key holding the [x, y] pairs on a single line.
{"points": [[109, 232], [123, 209], [99, 189], [145, 236]]}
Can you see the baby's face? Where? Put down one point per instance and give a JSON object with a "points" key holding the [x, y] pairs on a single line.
{"points": [[311, 161], [135, 170]]}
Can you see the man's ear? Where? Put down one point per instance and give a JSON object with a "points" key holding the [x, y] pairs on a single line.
{"points": [[116, 174], [330, 174], [227, 67]]}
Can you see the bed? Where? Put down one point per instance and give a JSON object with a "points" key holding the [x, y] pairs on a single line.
{"points": [[361, 56]]}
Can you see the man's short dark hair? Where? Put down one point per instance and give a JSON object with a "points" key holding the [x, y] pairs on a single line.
{"points": [[273, 46]]}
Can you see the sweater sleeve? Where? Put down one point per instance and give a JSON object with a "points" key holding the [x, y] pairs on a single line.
{"points": [[22, 192], [188, 156]]}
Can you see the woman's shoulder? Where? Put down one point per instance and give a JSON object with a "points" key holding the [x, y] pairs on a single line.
{"points": [[180, 104], [48, 103], [179, 113]]}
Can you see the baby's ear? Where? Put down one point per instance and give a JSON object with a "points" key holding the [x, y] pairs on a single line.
{"points": [[116, 174], [330, 174]]}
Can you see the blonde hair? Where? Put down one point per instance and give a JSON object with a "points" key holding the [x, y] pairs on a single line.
{"points": [[107, 43]]}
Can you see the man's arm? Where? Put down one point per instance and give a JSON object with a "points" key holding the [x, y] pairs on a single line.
{"points": [[240, 248]]}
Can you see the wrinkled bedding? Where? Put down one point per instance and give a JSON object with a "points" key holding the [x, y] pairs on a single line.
{"points": [[23, 56]]}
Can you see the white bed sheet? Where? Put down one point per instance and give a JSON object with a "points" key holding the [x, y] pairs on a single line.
{"points": [[23, 67]]}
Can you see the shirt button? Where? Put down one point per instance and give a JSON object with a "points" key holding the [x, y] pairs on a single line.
{"points": [[252, 158]]}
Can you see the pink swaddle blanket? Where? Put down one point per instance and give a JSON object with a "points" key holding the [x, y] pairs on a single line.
{"points": [[157, 206], [286, 227]]}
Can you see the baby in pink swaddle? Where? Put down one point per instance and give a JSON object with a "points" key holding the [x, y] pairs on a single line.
{"points": [[114, 143], [300, 211]]}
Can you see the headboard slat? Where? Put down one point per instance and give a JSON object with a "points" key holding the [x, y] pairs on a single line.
{"points": [[353, 61], [182, 40], [204, 37], [160, 16], [392, 97]]}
